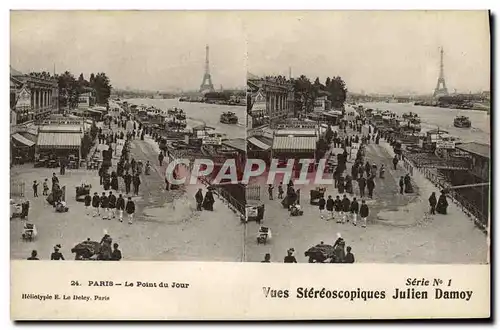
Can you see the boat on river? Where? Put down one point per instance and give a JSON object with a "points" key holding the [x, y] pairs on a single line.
{"points": [[228, 117], [462, 122]]}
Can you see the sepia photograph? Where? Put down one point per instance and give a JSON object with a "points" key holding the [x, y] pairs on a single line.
{"points": [[101, 103], [206, 150], [374, 132]]}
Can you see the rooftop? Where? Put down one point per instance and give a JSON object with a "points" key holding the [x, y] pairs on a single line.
{"points": [[475, 148], [238, 144]]}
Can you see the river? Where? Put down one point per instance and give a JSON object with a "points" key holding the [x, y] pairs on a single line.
{"points": [[433, 117], [199, 113]]}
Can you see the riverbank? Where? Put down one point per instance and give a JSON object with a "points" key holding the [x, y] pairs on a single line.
{"points": [[400, 228]]}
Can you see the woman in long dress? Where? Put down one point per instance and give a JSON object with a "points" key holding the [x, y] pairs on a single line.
{"points": [[442, 204]]}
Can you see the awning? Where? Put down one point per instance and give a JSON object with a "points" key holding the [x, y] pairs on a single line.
{"points": [[294, 144], [59, 140], [21, 139], [258, 143]]}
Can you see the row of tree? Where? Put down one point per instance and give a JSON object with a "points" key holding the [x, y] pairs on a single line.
{"points": [[307, 92], [71, 88]]}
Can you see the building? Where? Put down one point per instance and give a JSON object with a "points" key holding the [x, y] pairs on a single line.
{"points": [[59, 139], [295, 144], [277, 93], [86, 99], [321, 103], [32, 96]]}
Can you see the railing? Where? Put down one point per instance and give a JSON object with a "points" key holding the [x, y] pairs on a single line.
{"points": [[472, 211], [237, 205], [17, 189]]}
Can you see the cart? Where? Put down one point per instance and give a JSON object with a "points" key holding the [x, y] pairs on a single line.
{"points": [[82, 190], [29, 232], [316, 194], [263, 235], [255, 212]]}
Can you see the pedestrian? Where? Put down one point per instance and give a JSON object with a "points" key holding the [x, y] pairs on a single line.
{"points": [[354, 211], [112, 205], [88, 201], [338, 209], [56, 255], [349, 257], [401, 185], [368, 169], [267, 258], [442, 204], [160, 158], [346, 207], [167, 184], [290, 259], [321, 205], [395, 161], [45, 188], [370, 183], [120, 206], [199, 199], [330, 207], [363, 212], [114, 181], [127, 178], [361, 185], [95, 204], [34, 254], [116, 255], [35, 189], [101, 174], [432, 203], [137, 183], [270, 191], [382, 171], [280, 190], [104, 205], [55, 180], [130, 208]]}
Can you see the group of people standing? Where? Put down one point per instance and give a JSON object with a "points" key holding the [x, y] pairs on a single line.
{"points": [[108, 206], [343, 210]]}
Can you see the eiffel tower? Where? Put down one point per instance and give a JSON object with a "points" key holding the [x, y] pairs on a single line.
{"points": [[441, 89], [206, 84]]}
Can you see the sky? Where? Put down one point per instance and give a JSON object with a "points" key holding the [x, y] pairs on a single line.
{"points": [[147, 50], [373, 51]]}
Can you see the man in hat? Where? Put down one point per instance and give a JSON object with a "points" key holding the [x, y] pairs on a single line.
{"points": [[120, 206], [130, 208], [363, 212], [112, 205], [104, 205], [95, 204]]}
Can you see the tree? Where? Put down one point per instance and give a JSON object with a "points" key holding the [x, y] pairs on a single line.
{"points": [[338, 92], [304, 93], [102, 87], [68, 90]]}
